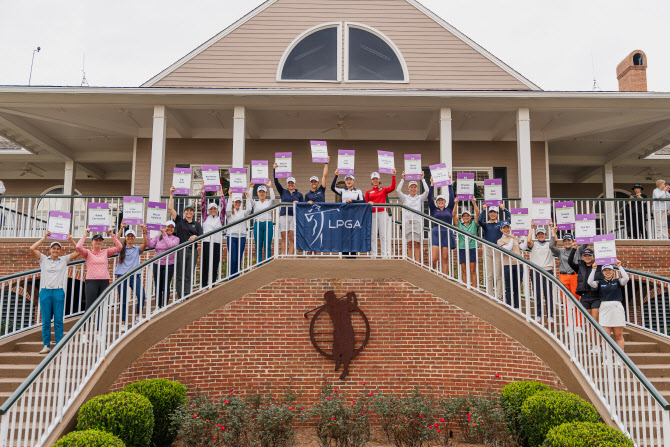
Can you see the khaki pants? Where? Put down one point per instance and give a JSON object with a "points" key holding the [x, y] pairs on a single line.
{"points": [[494, 288], [661, 224]]}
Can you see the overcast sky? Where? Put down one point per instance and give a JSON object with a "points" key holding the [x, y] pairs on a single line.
{"points": [[554, 44]]}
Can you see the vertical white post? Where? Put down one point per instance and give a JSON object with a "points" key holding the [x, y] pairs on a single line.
{"points": [[239, 128], [523, 157], [446, 148], [132, 181], [157, 154], [608, 193], [68, 184], [546, 160]]}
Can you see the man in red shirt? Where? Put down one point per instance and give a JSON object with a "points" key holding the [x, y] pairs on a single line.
{"points": [[380, 217]]}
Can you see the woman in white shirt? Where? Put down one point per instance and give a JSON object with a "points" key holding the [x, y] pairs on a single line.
{"points": [[660, 208], [412, 223], [349, 194], [213, 219], [263, 225], [237, 235]]}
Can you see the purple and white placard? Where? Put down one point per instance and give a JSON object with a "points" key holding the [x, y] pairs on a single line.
{"points": [[59, 225], [98, 216], [413, 167], [605, 248], [493, 192], [520, 221], [259, 171], [465, 186], [210, 176], [345, 161], [133, 210], [156, 215], [440, 175], [238, 180], [319, 151], [181, 179], [565, 215], [284, 164], [386, 162], [585, 228], [541, 211]]}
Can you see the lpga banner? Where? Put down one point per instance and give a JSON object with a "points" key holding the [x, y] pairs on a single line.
{"points": [[333, 227]]}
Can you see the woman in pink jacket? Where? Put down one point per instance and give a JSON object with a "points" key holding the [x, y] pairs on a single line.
{"points": [[164, 268], [97, 266]]}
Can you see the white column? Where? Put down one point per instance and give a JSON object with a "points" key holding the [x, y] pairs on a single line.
{"points": [[69, 178], [239, 136], [523, 157], [608, 193], [134, 166], [446, 148], [157, 154], [546, 160]]}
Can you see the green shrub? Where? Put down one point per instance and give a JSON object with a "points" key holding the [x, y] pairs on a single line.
{"points": [[513, 395], [129, 416], [408, 421], [165, 397], [586, 434], [341, 421], [89, 438], [480, 418], [273, 420], [544, 411]]}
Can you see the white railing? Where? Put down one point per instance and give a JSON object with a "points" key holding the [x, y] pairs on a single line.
{"points": [[32, 412]]}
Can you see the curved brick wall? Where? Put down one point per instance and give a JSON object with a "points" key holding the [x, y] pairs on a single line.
{"points": [[261, 342]]}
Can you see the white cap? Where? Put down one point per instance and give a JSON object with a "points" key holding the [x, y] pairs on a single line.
{"points": [[374, 175], [492, 208], [466, 212], [540, 230], [237, 197], [170, 222], [440, 197], [131, 232], [608, 266], [263, 188], [55, 243], [314, 178], [290, 179], [212, 205], [351, 176], [413, 183]]}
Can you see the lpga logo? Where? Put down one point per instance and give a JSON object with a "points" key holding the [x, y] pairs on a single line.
{"points": [[317, 217], [333, 227]]}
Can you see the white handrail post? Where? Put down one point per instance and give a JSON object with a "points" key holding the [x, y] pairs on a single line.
{"points": [[526, 289], [62, 369], [665, 421], [4, 428]]}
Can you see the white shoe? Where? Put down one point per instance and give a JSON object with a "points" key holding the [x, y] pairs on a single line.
{"points": [[538, 319], [594, 350], [84, 339], [550, 320], [45, 350], [123, 328]]}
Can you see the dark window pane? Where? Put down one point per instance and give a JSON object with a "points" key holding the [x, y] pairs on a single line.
{"points": [[372, 59], [314, 58]]}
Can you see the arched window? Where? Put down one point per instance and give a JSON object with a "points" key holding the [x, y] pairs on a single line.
{"points": [[638, 59], [372, 57], [313, 56]]}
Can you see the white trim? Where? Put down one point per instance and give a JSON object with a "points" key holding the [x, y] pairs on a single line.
{"points": [[209, 43], [473, 45], [386, 40], [134, 165], [48, 190], [299, 39]]}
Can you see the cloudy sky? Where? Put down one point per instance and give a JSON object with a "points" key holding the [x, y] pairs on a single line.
{"points": [[557, 45]]}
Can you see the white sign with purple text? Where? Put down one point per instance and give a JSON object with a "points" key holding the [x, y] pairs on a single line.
{"points": [[181, 179], [520, 221], [259, 171], [386, 161], [345, 161], [413, 167], [541, 211], [284, 164], [59, 225], [493, 192], [156, 215], [585, 228], [210, 176], [465, 186], [440, 175], [565, 215], [98, 216], [605, 249], [319, 151], [238, 180], [133, 210]]}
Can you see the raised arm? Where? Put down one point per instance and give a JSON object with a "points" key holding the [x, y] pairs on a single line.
{"points": [[454, 213], [529, 238], [324, 177], [35, 246], [203, 203], [117, 245], [451, 195], [431, 201], [591, 281], [476, 208], [80, 245], [333, 186], [74, 255], [123, 227], [145, 241], [571, 258], [624, 274], [170, 206], [424, 194], [280, 188]]}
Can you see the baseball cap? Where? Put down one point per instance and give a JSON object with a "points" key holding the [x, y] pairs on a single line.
{"points": [[189, 206], [263, 188], [492, 208], [212, 205], [55, 243], [374, 175], [351, 176], [96, 237], [466, 212], [567, 236], [314, 178], [540, 230], [587, 251], [440, 197], [237, 197], [608, 266], [170, 222], [290, 179], [413, 183], [637, 185], [131, 232], [505, 223]]}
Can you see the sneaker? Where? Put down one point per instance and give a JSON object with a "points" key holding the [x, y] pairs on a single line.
{"points": [[83, 340], [594, 350], [538, 320], [123, 328], [45, 350], [550, 320]]}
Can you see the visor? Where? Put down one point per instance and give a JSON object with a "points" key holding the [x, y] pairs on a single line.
{"points": [[314, 178]]}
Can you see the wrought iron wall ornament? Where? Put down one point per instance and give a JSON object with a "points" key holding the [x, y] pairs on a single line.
{"points": [[346, 343]]}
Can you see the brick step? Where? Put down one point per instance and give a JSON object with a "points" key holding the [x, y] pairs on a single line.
{"points": [[642, 347], [646, 358], [655, 370], [10, 358], [16, 370]]}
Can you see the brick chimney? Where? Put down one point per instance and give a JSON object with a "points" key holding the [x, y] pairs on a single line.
{"points": [[632, 72]]}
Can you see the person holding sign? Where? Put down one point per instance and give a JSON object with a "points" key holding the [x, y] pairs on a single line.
{"points": [[540, 254], [349, 194], [317, 192], [263, 225], [380, 216], [441, 239], [491, 231], [286, 222], [186, 229], [413, 223], [163, 269], [129, 258], [237, 235], [512, 269], [53, 271], [610, 292], [469, 225], [588, 297], [566, 275], [97, 271], [212, 219]]}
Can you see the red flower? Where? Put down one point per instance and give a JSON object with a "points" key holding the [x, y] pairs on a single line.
{"points": [[441, 419], [370, 394], [214, 438], [363, 383], [473, 424], [438, 430], [332, 419], [195, 416], [362, 414], [420, 416], [302, 408], [223, 428], [430, 427], [290, 408]]}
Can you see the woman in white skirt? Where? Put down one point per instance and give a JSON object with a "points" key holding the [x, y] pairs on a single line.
{"points": [[610, 289]]}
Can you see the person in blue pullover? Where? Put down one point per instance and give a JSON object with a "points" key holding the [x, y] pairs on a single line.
{"points": [[491, 231], [441, 239], [286, 222]]}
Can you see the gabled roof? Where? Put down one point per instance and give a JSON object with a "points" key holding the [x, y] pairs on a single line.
{"points": [[483, 52]]}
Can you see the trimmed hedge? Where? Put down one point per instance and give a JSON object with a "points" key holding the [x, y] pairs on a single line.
{"points": [[165, 396], [89, 438], [513, 395], [544, 411], [586, 434], [129, 416]]}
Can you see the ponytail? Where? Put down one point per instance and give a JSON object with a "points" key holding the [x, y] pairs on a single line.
{"points": [[122, 253]]}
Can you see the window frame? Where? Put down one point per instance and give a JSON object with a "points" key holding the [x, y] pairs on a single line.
{"points": [[299, 39], [383, 37]]}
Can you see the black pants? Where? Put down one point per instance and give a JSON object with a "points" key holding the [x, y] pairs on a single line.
{"points": [[163, 283], [216, 261], [512, 285], [93, 289], [540, 284], [186, 259]]}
